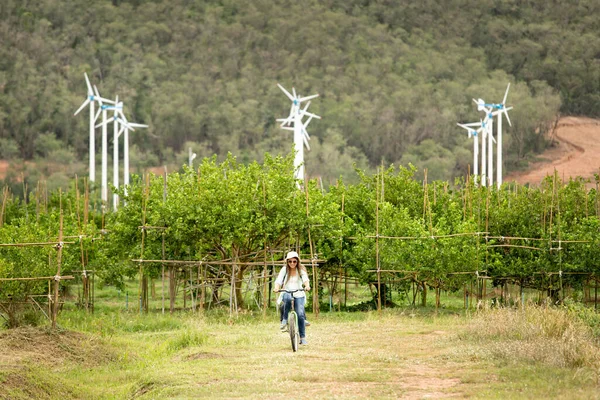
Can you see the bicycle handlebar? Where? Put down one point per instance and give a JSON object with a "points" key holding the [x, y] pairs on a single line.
{"points": [[289, 291]]}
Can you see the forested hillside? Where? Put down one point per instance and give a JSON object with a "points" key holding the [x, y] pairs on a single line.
{"points": [[394, 77]]}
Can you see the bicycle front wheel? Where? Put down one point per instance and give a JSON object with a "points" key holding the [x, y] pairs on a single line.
{"points": [[294, 334]]}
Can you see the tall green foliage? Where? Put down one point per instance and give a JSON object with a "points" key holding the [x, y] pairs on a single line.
{"points": [[394, 77]]}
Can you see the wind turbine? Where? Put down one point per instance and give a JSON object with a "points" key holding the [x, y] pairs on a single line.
{"points": [[105, 121], [500, 109], [127, 126], [475, 134], [91, 100], [301, 137], [191, 157]]}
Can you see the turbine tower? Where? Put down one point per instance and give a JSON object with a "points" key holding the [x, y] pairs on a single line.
{"points": [[126, 127], [104, 109], [503, 110], [475, 134], [301, 137], [91, 100], [500, 109]]}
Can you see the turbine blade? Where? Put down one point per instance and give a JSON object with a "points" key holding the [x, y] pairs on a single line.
{"points": [[120, 111], [305, 142], [89, 85], [103, 123], [100, 98], [286, 121], [311, 115], [133, 124], [97, 114], [306, 106], [286, 92], [308, 97], [287, 128], [307, 122], [506, 94], [507, 119], [294, 92], [85, 103]]}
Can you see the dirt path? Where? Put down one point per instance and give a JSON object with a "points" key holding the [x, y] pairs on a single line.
{"points": [[576, 154]]}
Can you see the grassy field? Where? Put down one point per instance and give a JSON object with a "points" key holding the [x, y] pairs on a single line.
{"points": [[409, 353]]}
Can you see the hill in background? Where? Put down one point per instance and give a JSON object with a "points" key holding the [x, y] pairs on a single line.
{"points": [[394, 77]]}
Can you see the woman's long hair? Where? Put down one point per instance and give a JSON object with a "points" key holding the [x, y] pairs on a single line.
{"points": [[299, 267]]}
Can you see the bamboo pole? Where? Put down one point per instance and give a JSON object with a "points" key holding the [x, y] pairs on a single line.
{"points": [[377, 266], [141, 267], [203, 287], [216, 262], [39, 278], [58, 266], [315, 286], [265, 281], [162, 273], [34, 244], [342, 269]]}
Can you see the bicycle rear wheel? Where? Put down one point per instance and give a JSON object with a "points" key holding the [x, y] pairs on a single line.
{"points": [[293, 326]]}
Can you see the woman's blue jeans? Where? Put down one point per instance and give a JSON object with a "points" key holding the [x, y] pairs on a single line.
{"points": [[298, 307]]}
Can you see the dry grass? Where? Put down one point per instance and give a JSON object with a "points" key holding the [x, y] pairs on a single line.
{"points": [[539, 334], [397, 354]]}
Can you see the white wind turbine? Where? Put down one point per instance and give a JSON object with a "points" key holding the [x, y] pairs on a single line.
{"points": [[475, 134], [127, 126], [484, 137], [500, 109], [191, 157], [105, 121], [91, 100], [301, 137]]}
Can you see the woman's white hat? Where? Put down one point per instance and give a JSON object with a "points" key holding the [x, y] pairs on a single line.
{"points": [[292, 254]]}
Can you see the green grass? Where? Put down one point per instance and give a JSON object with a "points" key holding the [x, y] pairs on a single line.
{"points": [[410, 352]]}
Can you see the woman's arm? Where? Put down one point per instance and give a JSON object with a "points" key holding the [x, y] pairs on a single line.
{"points": [[279, 280], [305, 280]]}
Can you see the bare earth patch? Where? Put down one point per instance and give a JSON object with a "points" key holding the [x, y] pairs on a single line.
{"points": [[577, 153]]}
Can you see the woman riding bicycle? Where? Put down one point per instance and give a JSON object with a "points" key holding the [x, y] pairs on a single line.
{"points": [[293, 276]]}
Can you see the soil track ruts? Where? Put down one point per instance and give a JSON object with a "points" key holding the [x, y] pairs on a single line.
{"points": [[576, 154]]}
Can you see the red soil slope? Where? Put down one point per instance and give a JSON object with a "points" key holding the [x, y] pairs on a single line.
{"points": [[577, 153]]}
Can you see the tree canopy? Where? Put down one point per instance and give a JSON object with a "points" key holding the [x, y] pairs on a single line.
{"points": [[394, 77]]}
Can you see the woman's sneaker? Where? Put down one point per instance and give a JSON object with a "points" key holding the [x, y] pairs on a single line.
{"points": [[303, 341], [283, 327], [306, 323]]}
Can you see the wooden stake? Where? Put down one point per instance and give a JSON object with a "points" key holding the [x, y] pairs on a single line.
{"points": [[265, 279], [58, 265], [378, 265], [5, 192], [315, 286], [342, 269], [141, 265]]}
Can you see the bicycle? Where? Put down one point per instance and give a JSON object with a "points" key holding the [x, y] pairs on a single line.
{"points": [[292, 321]]}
